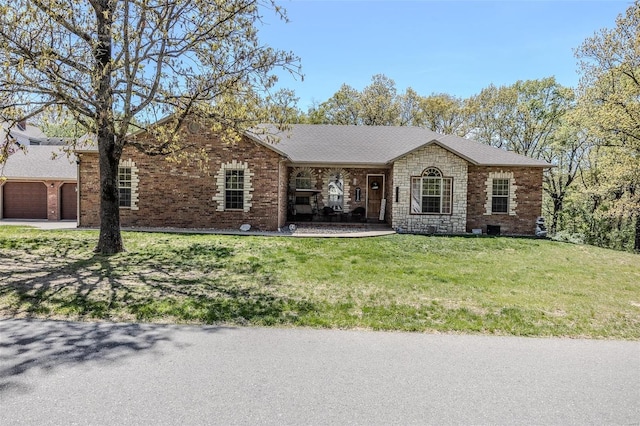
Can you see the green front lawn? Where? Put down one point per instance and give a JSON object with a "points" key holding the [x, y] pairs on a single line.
{"points": [[400, 282]]}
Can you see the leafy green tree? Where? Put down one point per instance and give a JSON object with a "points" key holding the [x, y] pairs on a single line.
{"points": [[281, 108], [376, 105], [522, 117], [409, 109], [341, 108], [568, 150], [107, 62], [444, 114], [610, 105], [379, 103]]}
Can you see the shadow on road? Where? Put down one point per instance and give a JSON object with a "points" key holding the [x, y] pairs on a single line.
{"points": [[27, 345]]}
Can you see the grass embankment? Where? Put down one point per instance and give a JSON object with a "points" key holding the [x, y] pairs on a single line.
{"points": [[399, 282]]}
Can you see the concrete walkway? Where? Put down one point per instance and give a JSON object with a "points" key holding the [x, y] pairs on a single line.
{"points": [[306, 230]]}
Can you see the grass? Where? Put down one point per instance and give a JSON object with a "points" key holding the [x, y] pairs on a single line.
{"points": [[500, 286]]}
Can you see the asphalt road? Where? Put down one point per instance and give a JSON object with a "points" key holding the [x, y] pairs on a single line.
{"points": [[87, 373]]}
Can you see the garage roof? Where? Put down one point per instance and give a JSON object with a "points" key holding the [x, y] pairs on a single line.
{"points": [[38, 162]]}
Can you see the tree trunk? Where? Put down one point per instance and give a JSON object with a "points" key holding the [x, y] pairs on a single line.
{"points": [[555, 215], [636, 245], [110, 240], [109, 149]]}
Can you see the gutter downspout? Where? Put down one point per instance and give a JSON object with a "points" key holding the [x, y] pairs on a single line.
{"points": [[281, 222], [77, 190]]}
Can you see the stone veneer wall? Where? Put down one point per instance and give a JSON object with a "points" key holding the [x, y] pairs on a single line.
{"points": [[183, 195], [525, 200], [413, 165]]}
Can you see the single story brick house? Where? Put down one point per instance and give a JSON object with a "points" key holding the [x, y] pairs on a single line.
{"points": [[410, 178]]}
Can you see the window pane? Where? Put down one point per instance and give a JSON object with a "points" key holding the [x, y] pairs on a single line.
{"points": [[234, 199], [431, 186], [432, 172], [501, 187], [500, 199], [416, 194], [234, 185], [499, 205], [234, 179], [124, 186], [446, 195], [125, 197], [303, 181], [430, 204]]}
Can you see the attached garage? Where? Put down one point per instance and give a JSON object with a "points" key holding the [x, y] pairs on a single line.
{"points": [[39, 183], [69, 201], [24, 200]]}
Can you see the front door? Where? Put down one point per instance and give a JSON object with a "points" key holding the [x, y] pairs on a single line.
{"points": [[375, 194]]}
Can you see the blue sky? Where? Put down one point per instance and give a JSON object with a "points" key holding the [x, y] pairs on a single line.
{"points": [[454, 47]]}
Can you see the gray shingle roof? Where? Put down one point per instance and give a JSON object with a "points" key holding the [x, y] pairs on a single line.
{"points": [[22, 135], [38, 163], [332, 144]]}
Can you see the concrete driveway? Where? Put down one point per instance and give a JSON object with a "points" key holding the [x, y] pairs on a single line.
{"points": [[101, 373], [42, 224]]}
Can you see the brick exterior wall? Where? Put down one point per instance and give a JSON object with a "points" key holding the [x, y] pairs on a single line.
{"points": [[88, 190], [354, 178], [527, 199], [413, 165], [183, 195]]}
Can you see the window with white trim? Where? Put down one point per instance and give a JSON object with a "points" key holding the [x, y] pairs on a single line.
{"points": [[234, 190], [233, 187], [431, 193], [128, 184], [124, 185], [500, 196]]}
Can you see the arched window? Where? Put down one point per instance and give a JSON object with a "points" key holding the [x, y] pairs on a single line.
{"points": [[431, 193], [303, 180]]}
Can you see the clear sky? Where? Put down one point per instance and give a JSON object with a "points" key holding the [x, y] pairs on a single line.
{"points": [[455, 47]]}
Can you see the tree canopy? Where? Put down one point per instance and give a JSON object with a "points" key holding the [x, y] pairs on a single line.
{"points": [[114, 64], [610, 108]]}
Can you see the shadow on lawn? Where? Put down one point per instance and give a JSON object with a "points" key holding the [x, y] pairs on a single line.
{"points": [[198, 284]]}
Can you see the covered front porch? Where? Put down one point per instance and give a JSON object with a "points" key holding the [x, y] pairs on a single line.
{"points": [[337, 195]]}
